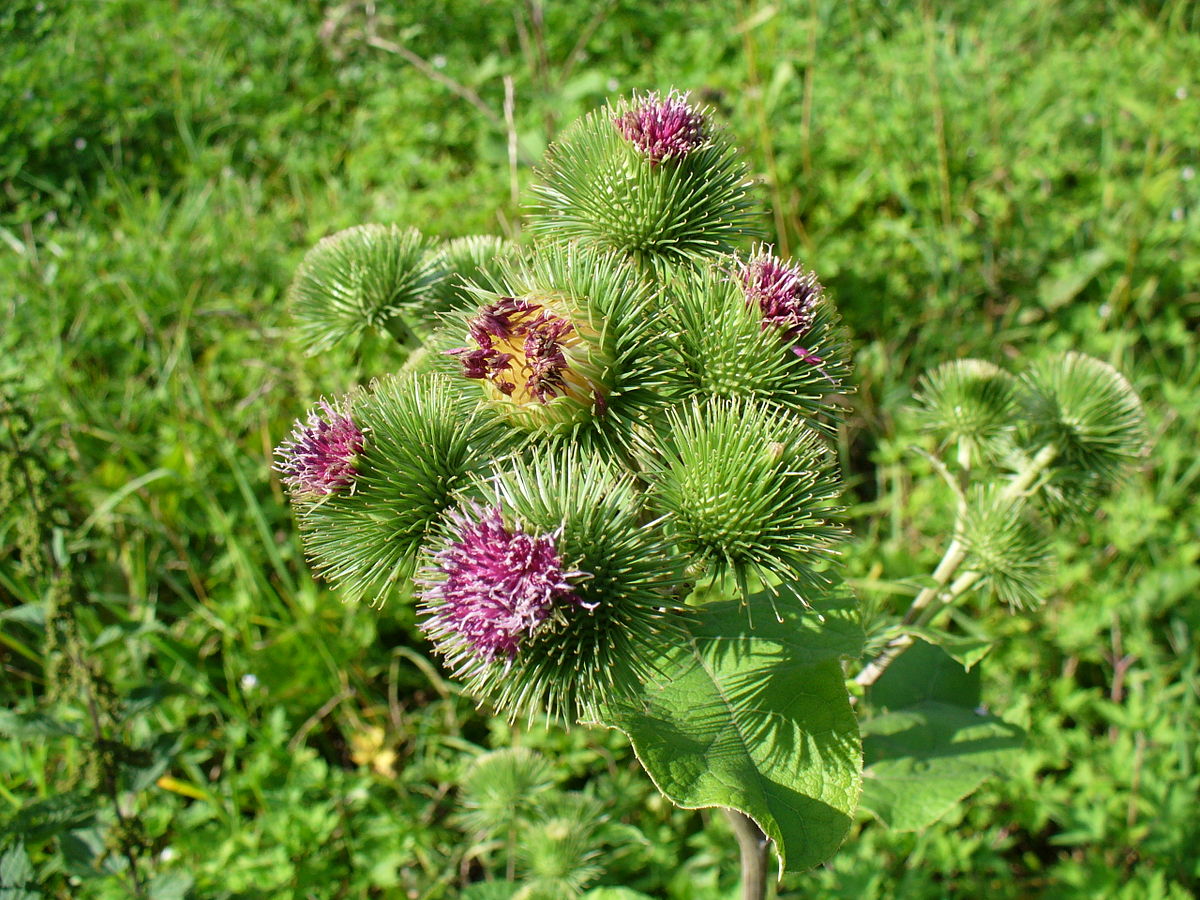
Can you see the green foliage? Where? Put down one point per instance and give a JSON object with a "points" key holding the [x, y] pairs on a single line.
{"points": [[16, 874], [931, 744], [922, 760], [757, 719], [970, 180]]}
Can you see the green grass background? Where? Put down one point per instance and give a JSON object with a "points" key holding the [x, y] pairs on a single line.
{"points": [[969, 178]]}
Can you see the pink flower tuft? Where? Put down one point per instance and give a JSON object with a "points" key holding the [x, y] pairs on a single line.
{"points": [[320, 457], [786, 295], [492, 587], [663, 129]]}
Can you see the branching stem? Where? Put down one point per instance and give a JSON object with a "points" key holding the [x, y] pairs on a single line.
{"points": [[943, 592]]}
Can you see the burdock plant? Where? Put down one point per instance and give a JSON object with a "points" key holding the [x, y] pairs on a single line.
{"points": [[603, 474]]}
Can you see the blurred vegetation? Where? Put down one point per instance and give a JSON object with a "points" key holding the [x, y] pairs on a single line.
{"points": [[189, 715]]}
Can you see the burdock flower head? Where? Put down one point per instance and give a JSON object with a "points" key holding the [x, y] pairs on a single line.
{"points": [[662, 128], [786, 295], [652, 177], [493, 586], [549, 593], [761, 330], [531, 353], [321, 456]]}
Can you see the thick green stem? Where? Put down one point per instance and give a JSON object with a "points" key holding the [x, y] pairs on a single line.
{"points": [[756, 853], [399, 330], [942, 593]]}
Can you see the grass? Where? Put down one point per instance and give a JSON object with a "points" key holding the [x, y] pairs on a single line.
{"points": [[995, 180]]}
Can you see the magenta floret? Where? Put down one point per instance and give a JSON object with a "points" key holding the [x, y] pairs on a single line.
{"points": [[320, 458], [787, 296], [520, 347], [662, 129], [492, 587]]}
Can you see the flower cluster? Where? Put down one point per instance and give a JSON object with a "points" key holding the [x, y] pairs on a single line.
{"points": [[662, 129], [786, 295], [648, 465], [320, 457], [492, 586], [523, 350]]}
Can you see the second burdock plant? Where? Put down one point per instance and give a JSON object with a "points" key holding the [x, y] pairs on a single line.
{"points": [[602, 471]]}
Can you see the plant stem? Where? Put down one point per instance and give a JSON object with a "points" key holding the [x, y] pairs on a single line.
{"points": [[942, 593], [398, 329], [756, 851]]}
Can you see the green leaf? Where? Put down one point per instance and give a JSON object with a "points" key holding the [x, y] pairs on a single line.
{"points": [[41, 819], [1068, 278], [30, 614], [489, 890], [152, 761], [615, 893], [922, 760], [85, 854], [145, 697], [33, 725], [757, 719], [967, 651], [170, 886], [925, 672], [16, 874], [932, 747]]}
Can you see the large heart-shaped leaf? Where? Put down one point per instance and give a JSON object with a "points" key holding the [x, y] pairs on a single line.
{"points": [[757, 718]]}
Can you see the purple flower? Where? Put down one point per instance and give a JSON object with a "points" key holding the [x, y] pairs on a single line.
{"points": [[662, 129], [522, 349], [493, 586], [787, 297], [320, 457]]}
